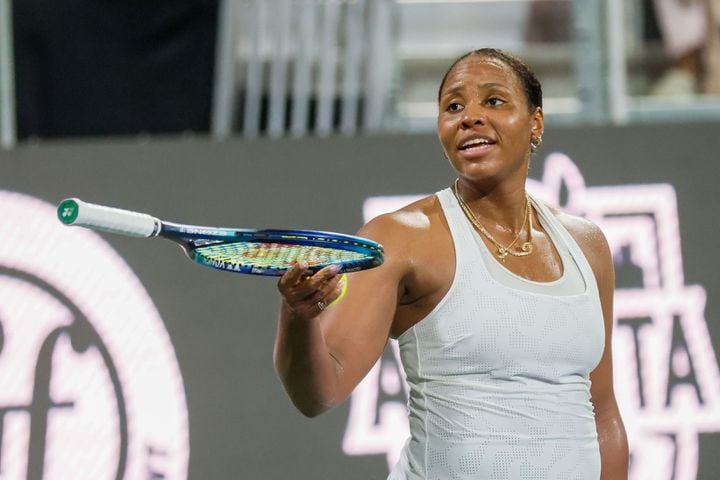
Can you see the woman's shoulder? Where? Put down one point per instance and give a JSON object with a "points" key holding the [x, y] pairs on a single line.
{"points": [[412, 218], [584, 231], [418, 251], [588, 235], [409, 234]]}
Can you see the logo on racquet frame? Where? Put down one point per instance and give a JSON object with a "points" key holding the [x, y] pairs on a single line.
{"points": [[667, 380], [89, 384]]}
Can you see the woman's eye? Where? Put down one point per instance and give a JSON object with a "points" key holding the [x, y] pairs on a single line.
{"points": [[495, 101], [454, 107]]}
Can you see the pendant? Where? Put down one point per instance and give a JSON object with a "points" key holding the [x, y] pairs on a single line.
{"points": [[502, 253]]}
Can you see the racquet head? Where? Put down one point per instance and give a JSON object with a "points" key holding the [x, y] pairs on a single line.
{"points": [[276, 257]]}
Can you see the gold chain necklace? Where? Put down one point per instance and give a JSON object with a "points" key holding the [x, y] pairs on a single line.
{"points": [[502, 250]]}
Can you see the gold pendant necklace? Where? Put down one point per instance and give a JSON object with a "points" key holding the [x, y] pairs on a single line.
{"points": [[502, 250]]}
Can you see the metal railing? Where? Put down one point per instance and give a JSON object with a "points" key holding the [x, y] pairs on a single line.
{"points": [[8, 131], [340, 56]]}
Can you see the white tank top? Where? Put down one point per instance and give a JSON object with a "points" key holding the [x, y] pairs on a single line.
{"points": [[499, 375]]}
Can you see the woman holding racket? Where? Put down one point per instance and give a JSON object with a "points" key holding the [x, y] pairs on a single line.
{"points": [[502, 307]]}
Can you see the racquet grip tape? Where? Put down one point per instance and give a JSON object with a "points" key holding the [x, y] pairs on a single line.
{"points": [[75, 212]]}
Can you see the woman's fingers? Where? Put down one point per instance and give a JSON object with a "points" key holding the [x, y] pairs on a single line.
{"points": [[292, 276], [310, 295], [327, 288], [339, 289]]}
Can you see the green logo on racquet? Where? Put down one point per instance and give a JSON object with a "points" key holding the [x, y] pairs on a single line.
{"points": [[68, 211]]}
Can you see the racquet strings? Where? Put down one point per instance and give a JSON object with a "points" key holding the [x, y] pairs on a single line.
{"points": [[275, 255]]}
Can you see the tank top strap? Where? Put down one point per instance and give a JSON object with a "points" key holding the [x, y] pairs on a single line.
{"points": [[459, 228], [559, 231]]}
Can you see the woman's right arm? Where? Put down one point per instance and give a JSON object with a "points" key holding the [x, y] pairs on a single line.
{"points": [[321, 355]]}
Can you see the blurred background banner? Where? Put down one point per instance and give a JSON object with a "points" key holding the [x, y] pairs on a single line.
{"points": [[120, 359], [648, 186], [91, 387]]}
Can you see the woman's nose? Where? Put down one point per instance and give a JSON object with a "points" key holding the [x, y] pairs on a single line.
{"points": [[473, 115]]}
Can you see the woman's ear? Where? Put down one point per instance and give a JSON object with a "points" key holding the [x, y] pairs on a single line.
{"points": [[538, 123], [536, 131]]}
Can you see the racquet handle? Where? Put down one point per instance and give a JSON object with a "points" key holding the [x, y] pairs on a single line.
{"points": [[73, 211]]}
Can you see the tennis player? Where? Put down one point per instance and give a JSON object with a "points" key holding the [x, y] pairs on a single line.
{"points": [[502, 307]]}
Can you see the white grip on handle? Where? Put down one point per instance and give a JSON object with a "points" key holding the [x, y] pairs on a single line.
{"points": [[73, 211]]}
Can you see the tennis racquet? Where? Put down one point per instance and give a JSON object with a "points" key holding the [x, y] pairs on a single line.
{"points": [[258, 252]]}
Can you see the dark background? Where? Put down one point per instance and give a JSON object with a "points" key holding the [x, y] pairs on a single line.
{"points": [[98, 67], [222, 325]]}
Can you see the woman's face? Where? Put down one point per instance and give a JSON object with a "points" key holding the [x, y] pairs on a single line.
{"points": [[485, 123]]}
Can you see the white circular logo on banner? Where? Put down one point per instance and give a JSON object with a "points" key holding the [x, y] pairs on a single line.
{"points": [[90, 387]]}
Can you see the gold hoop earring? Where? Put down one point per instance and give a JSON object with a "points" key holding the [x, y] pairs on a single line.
{"points": [[535, 143]]}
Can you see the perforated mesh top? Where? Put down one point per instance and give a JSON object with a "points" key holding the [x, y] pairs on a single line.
{"points": [[499, 376]]}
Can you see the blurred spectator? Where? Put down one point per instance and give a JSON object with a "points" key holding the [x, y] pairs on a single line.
{"points": [[689, 30], [100, 67], [549, 21], [712, 49], [690, 36]]}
